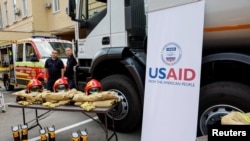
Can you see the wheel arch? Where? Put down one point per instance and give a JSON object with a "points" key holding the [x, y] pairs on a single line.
{"points": [[6, 78], [229, 66]]}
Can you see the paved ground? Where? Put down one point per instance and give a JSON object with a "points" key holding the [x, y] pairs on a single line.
{"points": [[64, 122]]}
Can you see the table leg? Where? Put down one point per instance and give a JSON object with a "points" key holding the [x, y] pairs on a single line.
{"points": [[36, 118], [37, 121], [105, 126], [100, 123], [24, 122], [114, 131]]}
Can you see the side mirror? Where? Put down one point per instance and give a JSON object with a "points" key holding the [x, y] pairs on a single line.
{"points": [[72, 9], [33, 57]]}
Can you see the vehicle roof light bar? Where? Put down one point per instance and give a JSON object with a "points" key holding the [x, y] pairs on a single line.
{"points": [[45, 37]]}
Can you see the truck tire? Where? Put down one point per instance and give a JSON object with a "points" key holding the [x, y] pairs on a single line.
{"points": [[218, 99], [7, 85], [127, 115]]}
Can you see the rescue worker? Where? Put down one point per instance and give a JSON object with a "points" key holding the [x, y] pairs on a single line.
{"points": [[71, 62], [54, 69], [93, 86]]}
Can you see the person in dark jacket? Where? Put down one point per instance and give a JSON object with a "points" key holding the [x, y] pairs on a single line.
{"points": [[69, 72], [54, 69]]}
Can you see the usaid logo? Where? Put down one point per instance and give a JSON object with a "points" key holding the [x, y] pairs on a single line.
{"points": [[170, 75], [171, 54]]}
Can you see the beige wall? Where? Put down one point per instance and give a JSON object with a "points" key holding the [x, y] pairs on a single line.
{"points": [[40, 16], [39, 21]]}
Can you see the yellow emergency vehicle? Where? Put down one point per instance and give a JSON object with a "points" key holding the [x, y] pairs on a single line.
{"points": [[23, 60]]}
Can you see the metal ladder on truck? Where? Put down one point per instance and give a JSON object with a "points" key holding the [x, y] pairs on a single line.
{"points": [[2, 104]]}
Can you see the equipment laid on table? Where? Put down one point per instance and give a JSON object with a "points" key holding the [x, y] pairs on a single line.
{"points": [[2, 104]]}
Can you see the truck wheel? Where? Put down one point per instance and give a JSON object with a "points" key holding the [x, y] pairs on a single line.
{"points": [[7, 85], [127, 115], [218, 99]]}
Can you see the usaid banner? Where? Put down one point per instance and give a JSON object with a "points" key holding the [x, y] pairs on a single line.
{"points": [[173, 73]]}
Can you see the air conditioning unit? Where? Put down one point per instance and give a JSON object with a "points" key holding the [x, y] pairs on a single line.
{"points": [[47, 5], [17, 11]]}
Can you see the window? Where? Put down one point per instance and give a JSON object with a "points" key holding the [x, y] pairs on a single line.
{"points": [[94, 7], [29, 51], [4, 57], [6, 13], [19, 53], [14, 7], [1, 19], [45, 48], [25, 8], [56, 5]]}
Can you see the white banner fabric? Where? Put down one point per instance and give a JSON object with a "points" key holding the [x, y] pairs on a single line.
{"points": [[173, 73]]}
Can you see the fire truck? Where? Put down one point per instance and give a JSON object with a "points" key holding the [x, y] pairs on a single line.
{"points": [[111, 40], [23, 60]]}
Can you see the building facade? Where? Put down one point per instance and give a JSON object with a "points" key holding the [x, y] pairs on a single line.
{"points": [[21, 19]]}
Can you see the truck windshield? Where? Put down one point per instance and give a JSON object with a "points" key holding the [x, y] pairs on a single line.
{"points": [[45, 48], [94, 7]]}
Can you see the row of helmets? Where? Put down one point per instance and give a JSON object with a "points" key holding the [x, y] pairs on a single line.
{"points": [[62, 84]]}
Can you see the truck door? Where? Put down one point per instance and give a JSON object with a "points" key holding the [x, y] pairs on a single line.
{"points": [[97, 28], [25, 68], [11, 65], [20, 74], [4, 61], [31, 66]]}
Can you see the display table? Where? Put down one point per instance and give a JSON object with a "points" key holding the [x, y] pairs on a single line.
{"points": [[68, 108]]}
